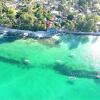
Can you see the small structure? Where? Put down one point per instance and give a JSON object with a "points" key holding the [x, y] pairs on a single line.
{"points": [[54, 12], [26, 61], [25, 35], [98, 26], [58, 61]]}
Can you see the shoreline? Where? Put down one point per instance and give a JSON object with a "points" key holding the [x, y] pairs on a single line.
{"points": [[8, 32]]}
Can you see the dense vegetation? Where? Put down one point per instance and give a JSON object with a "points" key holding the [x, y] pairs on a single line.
{"points": [[28, 17], [82, 15]]}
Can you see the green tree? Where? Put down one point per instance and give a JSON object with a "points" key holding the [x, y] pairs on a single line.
{"points": [[86, 24], [26, 21]]}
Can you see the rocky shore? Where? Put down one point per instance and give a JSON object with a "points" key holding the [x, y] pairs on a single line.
{"points": [[7, 32]]}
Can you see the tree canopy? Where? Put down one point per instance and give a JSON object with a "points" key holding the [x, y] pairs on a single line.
{"points": [[82, 15]]}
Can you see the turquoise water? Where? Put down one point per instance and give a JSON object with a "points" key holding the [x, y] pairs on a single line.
{"points": [[51, 73]]}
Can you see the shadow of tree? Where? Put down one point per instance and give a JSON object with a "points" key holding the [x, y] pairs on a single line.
{"points": [[20, 63], [65, 70], [74, 40], [95, 39], [8, 60], [8, 39], [69, 81], [49, 42]]}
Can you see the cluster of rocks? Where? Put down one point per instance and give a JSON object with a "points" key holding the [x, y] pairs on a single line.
{"points": [[7, 32]]}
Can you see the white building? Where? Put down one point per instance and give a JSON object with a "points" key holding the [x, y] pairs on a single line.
{"points": [[98, 26]]}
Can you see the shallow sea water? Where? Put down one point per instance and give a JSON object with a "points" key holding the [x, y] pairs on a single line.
{"points": [[54, 71]]}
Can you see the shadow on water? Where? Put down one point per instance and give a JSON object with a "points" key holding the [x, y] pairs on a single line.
{"points": [[97, 81], [7, 39], [95, 39], [65, 70], [20, 63], [69, 81], [47, 42], [74, 40], [7, 60]]}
